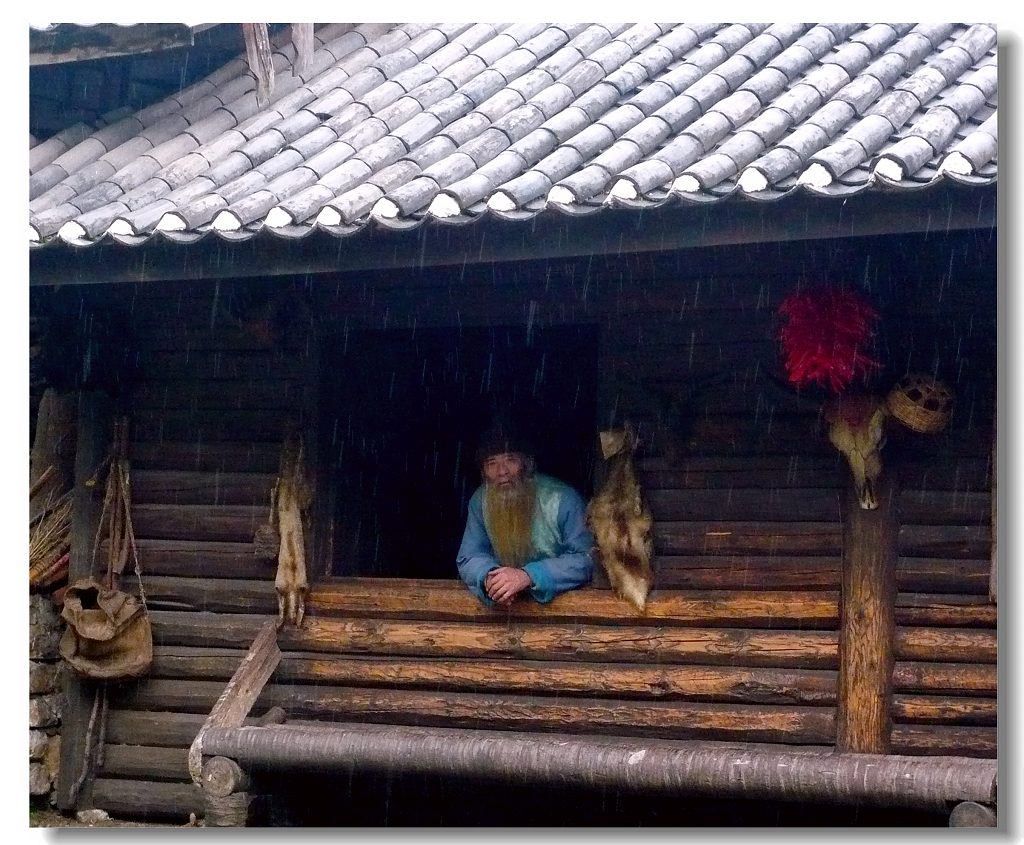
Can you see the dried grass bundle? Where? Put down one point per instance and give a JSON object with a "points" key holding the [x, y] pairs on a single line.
{"points": [[49, 542]]}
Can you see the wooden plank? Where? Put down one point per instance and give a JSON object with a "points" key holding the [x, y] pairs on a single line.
{"points": [[692, 683], [678, 719], [506, 638], [92, 444], [176, 487], [144, 762], [241, 692], [149, 800], [953, 678]]}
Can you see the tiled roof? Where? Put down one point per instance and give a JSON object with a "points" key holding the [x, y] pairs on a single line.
{"points": [[399, 124]]}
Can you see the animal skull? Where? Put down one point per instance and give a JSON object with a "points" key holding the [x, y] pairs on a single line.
{"points": [[857, 429]]}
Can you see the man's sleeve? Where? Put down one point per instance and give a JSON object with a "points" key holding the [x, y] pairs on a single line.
{"points": [[574, 567], [476, 555]]}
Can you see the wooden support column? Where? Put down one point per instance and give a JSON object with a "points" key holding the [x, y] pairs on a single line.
{"points": [[867, 624], [93, 442]]}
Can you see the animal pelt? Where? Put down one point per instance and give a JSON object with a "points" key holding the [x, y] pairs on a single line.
{"points": [[621, 521], [293, 496]]}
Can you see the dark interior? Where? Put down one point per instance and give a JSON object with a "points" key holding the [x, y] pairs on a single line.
{"points": [[403, 410]]}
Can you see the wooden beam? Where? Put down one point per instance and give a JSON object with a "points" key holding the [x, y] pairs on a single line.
{"points": [[867, 625], [240, 694], [68, 42], [93, 440]]}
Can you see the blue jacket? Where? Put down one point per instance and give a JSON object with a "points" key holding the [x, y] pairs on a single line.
{"points": [[560, 536]]}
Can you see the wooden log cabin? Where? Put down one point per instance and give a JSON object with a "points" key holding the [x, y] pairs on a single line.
{"points": [[764, 646]]}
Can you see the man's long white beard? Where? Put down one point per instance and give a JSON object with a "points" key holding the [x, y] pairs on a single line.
{"points": [[508, 512]]}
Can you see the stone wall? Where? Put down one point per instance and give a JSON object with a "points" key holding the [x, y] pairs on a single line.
{"points": [[45, 699]]}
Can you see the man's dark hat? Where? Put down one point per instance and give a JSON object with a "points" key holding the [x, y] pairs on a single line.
{"points": [[502, 436]]}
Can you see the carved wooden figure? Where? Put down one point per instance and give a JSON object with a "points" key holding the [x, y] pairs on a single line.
{"points": [[621, 521]]}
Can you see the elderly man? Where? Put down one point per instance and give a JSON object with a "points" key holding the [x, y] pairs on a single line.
{"points": [[525, 531]]}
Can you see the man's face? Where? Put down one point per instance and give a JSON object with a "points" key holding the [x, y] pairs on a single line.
{"points": [[504, 470]]}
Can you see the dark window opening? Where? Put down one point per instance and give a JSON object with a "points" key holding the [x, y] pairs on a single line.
{"points": [[403, 410]]}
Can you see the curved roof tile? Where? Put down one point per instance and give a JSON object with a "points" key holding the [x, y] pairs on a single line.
{"points": [[401, 123]]}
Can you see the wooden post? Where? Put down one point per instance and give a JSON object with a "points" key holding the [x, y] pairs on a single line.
{"points": [[93, 440], [867, 624]]}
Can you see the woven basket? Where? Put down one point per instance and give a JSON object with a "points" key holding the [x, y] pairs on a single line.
{"points": [[922, 403]]}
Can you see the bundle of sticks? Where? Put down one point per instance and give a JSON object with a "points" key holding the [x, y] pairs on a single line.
{"points": [[49, 550]]}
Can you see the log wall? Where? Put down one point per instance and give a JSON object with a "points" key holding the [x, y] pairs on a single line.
{"points": [[740, 638]]}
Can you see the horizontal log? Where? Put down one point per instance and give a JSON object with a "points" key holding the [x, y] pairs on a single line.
{"points": [[678, 719], [144, 762], [176, 487], [778, 504], [143, 799], [381, 598], [944, 709], [224, 523], [964, 611], [203, 559], [943, 575], [946, 645], [158, 728], [725, 537], [261, 393], [201, 456], [255, 425], [950, 541], [765, 572], [942, 740], [180, 364], [440, 600], [509, 638], [693, 683], [615, 763], [945, 507], [825, 478], [952, 678], [163, 335]]}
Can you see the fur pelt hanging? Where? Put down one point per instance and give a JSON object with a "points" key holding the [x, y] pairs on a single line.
{"points": [[292, 496], [621, 521]]}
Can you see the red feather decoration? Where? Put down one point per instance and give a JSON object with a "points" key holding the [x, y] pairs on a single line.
{"points": [[826, 330]]}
